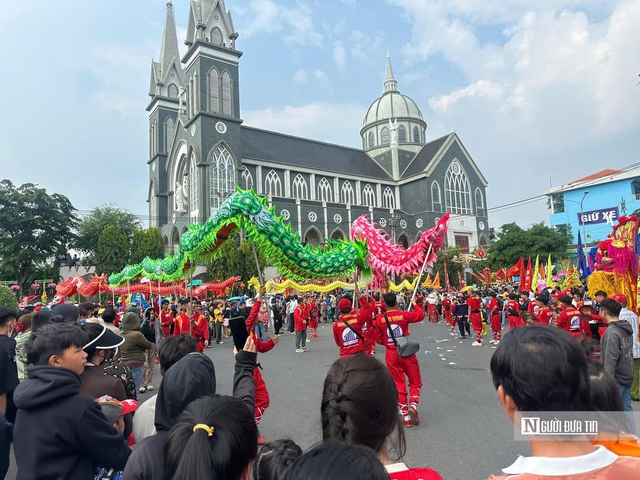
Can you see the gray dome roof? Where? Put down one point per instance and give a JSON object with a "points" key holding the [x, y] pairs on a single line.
{"points": [[392, 104]]}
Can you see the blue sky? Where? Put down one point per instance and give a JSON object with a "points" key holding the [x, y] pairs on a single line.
{"points": [[535, 88]]}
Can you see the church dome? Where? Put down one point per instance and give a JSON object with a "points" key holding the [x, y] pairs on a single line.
{"points": [[392, 105]]}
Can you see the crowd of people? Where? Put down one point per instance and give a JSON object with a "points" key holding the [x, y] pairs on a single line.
{"points": [[84, 366]]}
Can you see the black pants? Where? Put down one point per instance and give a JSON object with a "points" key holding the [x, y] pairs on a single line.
{"points": [[277, 325], [463, 324], [291, 323], [5, 445]]}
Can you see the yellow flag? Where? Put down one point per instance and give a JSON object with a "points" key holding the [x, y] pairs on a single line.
{"points": [[549, 272], [534, 279], [436, 281]]}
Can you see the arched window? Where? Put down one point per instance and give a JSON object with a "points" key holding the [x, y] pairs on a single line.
{"points": [[436, 199], [300, 188], [193, 185], [214, 88], [368, 196], [247, 178], [402, 134], [272, 185], [173, 91], [324, 191], [388, 199], [221, 177], [346, 195], [226, 94], [384, 136], [479, 203], [416, 135], [169, 131], [371, 140], [153, 212], [216, 36], [457, 190]]}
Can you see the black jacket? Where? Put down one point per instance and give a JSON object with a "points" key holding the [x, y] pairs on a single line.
{"points": [[189, 379], [59, 433]]}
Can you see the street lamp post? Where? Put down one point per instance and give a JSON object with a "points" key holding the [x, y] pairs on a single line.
{"points": [[584, 230]]}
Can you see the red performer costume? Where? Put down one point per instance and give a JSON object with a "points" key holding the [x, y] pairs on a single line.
{"points": [[201, 331], [182, 324], [432, 308], [513, 314], [313, 319], [496, 320], [166, 320], [571, 321], [261, 395], [447, 309], [544, 315], [351, 342], [475, 304], [397, 365]]}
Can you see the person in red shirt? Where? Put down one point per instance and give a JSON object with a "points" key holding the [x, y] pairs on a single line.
{"points": [[570, 319], [347, 331], [496, 317], [262, 395], [201, 329], [166, 318], [401, 367], [447, 309], [313, 318], [182, 323], [475, 316], [300, 321], [544, 312], [513, 312]]}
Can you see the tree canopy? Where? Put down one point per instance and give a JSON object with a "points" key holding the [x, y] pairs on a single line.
{"points": [[146, 243], [236, 258], [8, 298], [92, 226], [34, 226], [514, 242], [112, 253]]}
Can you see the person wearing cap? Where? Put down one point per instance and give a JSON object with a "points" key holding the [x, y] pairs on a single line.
{"points": [[67, 311], [301, 319], [94, 381], [632, 318], [570, 319], [115, 412], [348, 330], [8, 381], [544, 314]]}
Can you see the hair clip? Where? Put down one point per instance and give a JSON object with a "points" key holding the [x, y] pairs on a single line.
{"points": [[208, 429]]}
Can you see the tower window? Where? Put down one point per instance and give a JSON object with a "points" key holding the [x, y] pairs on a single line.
{"points": [[324, 190], [479, 203], [384, 136], [172, 91], [436, 199], [368, 196], [272, 185], [300, 188], [457, 189], [388, 199], [371, 140], [214, 87], [226, 94], [416, 135], [193, 184], [247, 178], [347, 193], [216, 36], [153, 221], [221, 177], [169, 131], [402, 134]]}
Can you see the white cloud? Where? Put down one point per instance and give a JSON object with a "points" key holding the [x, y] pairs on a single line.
{"points": [[481, 88], [329, 122], [322, 78], [269, 17], [363, 46], [339, 55], [300, 76]]}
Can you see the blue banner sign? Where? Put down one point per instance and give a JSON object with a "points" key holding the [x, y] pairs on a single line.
{"points": [[606, 215]]}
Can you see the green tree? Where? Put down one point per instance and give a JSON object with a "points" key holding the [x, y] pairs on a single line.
{"points": [[146, 243], [92, 226], [514, 242], [33, 227], [248, 262], [235, 258], [8, 298], [453, 268], [113, 250]]}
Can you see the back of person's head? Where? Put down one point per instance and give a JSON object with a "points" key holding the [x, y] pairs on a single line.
{"points": [[512, 296], [390, 299], [567, 300], [542, 369], [52, 340], [86, 309], [274, 458], [360, 404], [173, 349], [109, 315], [542, 299], [7, 315], [215, 438], [605, 395], [611, 307], [40, 319], [25, 320], [337, 461]]}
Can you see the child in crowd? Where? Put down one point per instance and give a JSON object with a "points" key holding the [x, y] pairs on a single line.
{"points": [[274, 459], [115, 411]]}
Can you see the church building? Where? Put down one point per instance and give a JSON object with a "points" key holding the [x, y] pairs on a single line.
{"points": [[199, 150]]}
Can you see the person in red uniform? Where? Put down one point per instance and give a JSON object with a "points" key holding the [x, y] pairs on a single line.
{"points": [[351, 339], [182, 322], [496, 318], [570, 319], [300, 321], [166, 318], [401, 367], [475, 316], [313, 318], [201, 330], [544, 312], [513, 312], [261, 395], [447, 309]]}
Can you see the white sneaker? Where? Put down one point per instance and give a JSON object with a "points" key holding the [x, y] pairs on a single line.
{"points": [[305, 349], [299, 350], [496, 342], [308, 341], [492, 341], [476, 344]]}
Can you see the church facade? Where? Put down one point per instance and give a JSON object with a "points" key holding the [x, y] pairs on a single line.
{"points": [[199, 150]]}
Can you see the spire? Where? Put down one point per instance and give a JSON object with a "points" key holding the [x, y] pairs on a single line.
{"points": [[390, 84], [169, 49]]}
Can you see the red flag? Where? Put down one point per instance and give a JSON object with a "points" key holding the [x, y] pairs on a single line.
{"points": [[525, 279], [517, 269]]}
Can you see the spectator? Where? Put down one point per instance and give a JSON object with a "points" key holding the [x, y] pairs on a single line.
{"points": [[134, 346], [360, 407], [49, 402], [108, 317], [8, 383], [274, 459], [40, 319], [171, 350], [68, 312], [152, 331], [632, 318], [115, 411], [336, 461], [24, 327], [530, 363], [85, 313]]}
